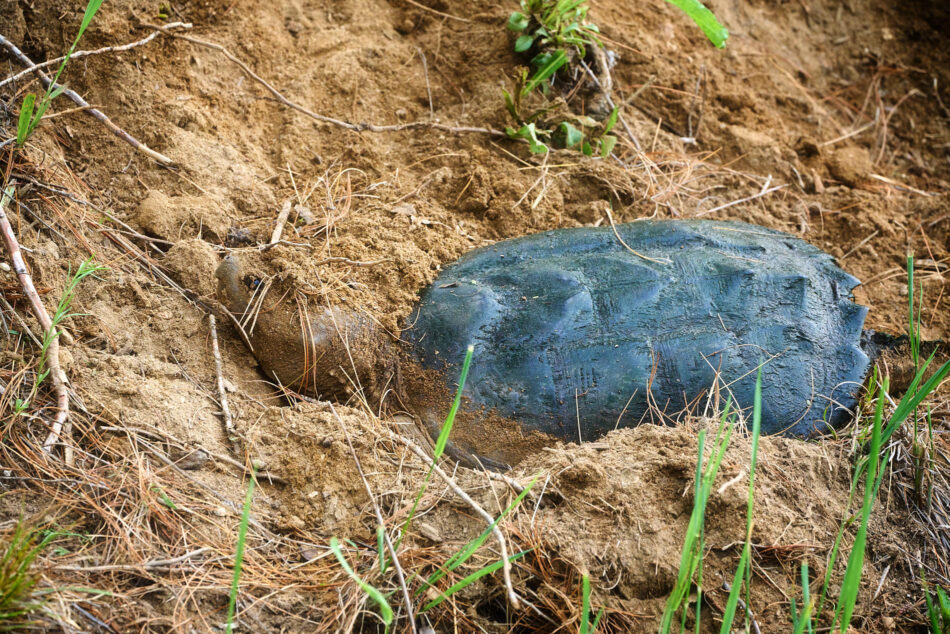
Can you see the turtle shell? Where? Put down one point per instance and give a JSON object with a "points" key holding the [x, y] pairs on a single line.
{"points": [[577, 332]]}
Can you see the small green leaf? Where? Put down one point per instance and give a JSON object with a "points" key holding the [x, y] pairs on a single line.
{"points": [[530, 134], [572, 136], [523, 43], [587, 149], [704, 19], [518, 21], [607, 144], [611, 120], [551, 66], [23, 128]]}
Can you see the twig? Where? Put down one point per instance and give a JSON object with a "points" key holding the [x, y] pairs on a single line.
{"points": [[355, 127], [425, 71], [502, 543], [755, 626], [350, 262], [382, 524], [155, 563], [52, 351], [281, 220], [431, 10], [106, 49], [98, 114], [894, 183], [222, 394], [860, 244], [636, 253], [765, 190]]}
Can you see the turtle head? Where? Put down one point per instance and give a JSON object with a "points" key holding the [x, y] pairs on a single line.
{"points": [[331, 352]]}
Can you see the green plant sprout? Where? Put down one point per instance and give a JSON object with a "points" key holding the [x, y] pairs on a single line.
{"points": [[744, 569], [691, 558], [86, 268], [465, 553], [385, 610], [440, 443], [556, 31], [239, 550], [555, 34], [938, 609], [586, 626], [30, 111]]}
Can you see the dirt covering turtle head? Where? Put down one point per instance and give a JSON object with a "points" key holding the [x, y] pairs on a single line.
{"points": [[331, 352], [340, 354]]}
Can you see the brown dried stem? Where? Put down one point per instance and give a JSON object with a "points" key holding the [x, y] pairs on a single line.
{"points": [[79, 101], [98, 51], [222, 393], [52, 352], [355, 127], [382, 525]]}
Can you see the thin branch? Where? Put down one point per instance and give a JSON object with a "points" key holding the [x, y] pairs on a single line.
{"points": [[355, 127], [435, 11], [281, 220], [155, 563], [765, 190], [502, 543], [222, 393], [99, 51], [98, 114], [381, 523], [52, 352], [613, 226]]}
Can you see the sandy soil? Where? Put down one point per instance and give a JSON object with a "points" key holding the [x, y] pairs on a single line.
{"points": [[843, 104]]}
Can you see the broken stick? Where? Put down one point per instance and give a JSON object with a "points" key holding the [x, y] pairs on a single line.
{"points": [[98, 114], [52, 351]]}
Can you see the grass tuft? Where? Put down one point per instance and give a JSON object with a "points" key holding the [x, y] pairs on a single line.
{"points": [[691, 558], [17, 579]]}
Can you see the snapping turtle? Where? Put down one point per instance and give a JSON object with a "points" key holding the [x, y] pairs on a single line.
{"points": [[579, 331]]}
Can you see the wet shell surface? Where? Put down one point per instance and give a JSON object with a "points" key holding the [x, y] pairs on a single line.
{"points": [[579, 331]]}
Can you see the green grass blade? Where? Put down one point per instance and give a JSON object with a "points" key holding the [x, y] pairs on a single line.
{"points": [[730, 612], [239, 552], [463, 555], [691, 556], [557, 59], [933, 614], [26, 116], [913, 397], [585, 605], [704, 19], [472, 578], [855, 567], [385, 611], [440, 444], [804, 619], [807, 602], [450, 419]]}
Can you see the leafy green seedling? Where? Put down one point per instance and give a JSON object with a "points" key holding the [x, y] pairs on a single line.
{"points": [[30, 111], [239, 551]]}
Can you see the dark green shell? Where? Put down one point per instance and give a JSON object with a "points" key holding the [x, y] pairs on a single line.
{"points": [[574, 332]]}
